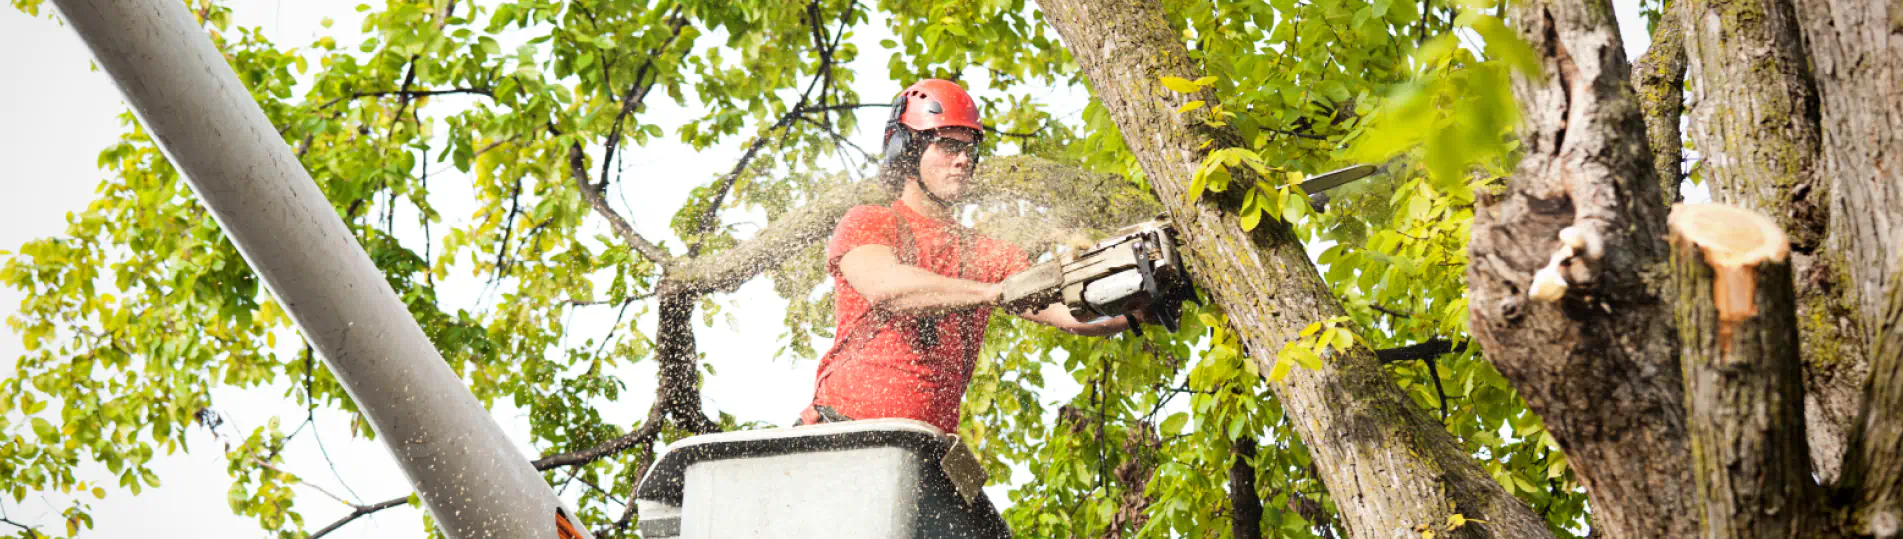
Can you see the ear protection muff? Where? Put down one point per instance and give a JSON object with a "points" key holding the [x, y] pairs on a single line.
{"points": [[897, 135]]}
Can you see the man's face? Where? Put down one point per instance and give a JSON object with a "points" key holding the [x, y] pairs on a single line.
{"points": [[944, 169]]}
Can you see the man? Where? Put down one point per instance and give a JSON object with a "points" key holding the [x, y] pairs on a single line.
{"points": [[915, 289]]}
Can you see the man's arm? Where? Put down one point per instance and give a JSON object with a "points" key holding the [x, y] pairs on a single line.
{"points": [[1058, 316], [875, 271]]}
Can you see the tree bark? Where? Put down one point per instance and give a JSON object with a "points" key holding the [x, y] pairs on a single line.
{"points": [[1856, 53], [1737, 321], [1876, 468], [1245, 505], [1598, 364], [1659, 78], [1754, 118], [1754, 112], [1388, 466]]}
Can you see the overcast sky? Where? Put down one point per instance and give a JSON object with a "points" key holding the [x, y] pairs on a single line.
{"points": [[56, 113]]}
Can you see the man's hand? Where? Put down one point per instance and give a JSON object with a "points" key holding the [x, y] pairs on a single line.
{"points": [[1058, 316]]}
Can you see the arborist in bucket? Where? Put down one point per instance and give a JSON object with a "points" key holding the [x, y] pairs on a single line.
{"points": [[914, 288]]}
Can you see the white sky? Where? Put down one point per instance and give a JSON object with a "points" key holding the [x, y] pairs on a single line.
{"points": [[56, 114]]}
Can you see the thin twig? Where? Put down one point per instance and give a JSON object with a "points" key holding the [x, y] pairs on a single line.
{"points": [[508, 230], [409, 94], [623, 301], [1390, 312], [1434, 372], [301, 481]]}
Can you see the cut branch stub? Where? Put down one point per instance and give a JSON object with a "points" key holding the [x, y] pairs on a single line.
{"points": [[1734, 242], [1744, 397]]}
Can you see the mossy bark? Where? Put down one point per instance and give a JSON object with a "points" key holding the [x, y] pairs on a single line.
{"points": [[1659, 78], [1387, 465], [1743, 386], [1599, 364]]}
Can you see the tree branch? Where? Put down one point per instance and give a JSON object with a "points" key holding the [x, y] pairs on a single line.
{"points": [[1245, 521], [712, 212], [578, 172], [407, 94], [1737, 324], [637, 93], [1429, 349], [623, 301], [844, 106], [1659, 78], [31, 532], [359, 512], [1073, 195], [640, 436]]}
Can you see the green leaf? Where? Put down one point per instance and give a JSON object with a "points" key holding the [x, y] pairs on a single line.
{"points": [[1174, 424], [1250, 219], [1193, 105], [237, 497], [45, 430], [1180, 85], [1281, 369], [1503, 43]]}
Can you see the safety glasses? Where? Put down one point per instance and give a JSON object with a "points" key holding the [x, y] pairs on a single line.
{"points": [[954, 147]]}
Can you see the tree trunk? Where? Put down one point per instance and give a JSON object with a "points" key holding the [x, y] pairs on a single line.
{"points": [[1737, 321], [1599, 364], [1388, 466], [1856, 53], [1754, 119]]}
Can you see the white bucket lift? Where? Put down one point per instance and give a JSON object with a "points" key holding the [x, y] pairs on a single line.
{"points": [[882, 478]]}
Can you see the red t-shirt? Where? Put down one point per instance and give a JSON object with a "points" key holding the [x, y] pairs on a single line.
{"points": [[883, 376]]}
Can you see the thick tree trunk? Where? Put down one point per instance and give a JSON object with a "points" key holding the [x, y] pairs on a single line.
{"points": [[1738, 325], [1754, 118], [1388, 466], [1599, 364], [1856, 53]]}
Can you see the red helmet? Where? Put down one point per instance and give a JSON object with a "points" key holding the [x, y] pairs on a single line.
{"points": [[927, 105]]}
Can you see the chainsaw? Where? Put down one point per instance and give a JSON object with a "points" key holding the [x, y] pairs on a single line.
{"points": [[1135, 271]]}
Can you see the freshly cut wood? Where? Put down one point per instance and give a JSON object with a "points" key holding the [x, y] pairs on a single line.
{"points": [[1744, 392], [1734, 242]]}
